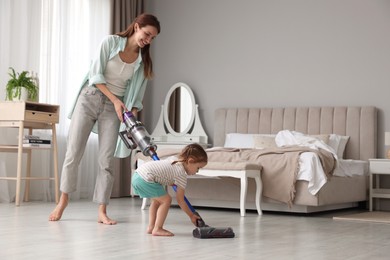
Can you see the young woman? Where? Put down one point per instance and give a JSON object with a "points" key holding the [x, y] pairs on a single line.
{"points": [[150, 179], [116, 82]]}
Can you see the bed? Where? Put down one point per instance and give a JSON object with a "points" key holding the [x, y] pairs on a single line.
{"points": [[347, 183]]}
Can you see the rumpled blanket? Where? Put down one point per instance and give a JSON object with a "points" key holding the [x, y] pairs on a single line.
{"points": [[280, 167]]}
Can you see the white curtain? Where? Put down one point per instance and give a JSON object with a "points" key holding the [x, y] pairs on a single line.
{"points": [[19, 48], [70, 33]]}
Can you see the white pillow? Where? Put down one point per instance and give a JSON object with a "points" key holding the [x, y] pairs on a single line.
{"points": [[338, 144], [236, 140]]}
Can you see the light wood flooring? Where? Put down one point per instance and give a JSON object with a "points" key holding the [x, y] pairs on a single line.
{"points": [[25, 233]]}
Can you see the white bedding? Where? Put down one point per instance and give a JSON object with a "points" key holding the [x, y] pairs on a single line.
{"points": [[310, 166], [310, 170]]}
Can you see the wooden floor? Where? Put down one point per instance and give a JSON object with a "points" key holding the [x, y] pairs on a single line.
{"points": [[25, 233]]}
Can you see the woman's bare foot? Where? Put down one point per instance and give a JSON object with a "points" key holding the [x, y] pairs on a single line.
{"points": [[56, 214], [103, 218], [162, 232]]}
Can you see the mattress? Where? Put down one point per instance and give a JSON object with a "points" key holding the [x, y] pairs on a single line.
{"points": [[350, 168]]}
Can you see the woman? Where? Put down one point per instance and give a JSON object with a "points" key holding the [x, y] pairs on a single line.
{"points": [[115, 83]]}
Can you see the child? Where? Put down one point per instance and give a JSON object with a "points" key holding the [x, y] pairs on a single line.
{"points": [[150, 179]]}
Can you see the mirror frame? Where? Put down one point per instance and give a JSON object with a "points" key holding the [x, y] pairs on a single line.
{"points": [[166, 107]]}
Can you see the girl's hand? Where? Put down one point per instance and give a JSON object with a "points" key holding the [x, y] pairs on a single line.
{"points": [[194, 219], [119, 108]]}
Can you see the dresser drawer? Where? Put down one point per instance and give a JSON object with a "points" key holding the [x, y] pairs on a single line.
{"points": [[43, 117]]}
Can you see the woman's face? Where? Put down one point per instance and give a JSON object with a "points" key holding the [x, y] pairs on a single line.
{"points": [[145, 35]]}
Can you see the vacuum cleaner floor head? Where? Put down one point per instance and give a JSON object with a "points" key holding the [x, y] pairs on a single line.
{"points": [[210, 232]]}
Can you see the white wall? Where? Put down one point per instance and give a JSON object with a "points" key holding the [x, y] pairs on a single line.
{"points": [[253, 53]]}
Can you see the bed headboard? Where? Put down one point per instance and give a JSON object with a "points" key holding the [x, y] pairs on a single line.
{"points": [[360, 123]]}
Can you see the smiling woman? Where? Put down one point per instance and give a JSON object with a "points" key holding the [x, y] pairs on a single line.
{"points": [[111, 86]]}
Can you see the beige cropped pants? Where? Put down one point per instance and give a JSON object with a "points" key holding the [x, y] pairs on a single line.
{"points": [[92, 106]]}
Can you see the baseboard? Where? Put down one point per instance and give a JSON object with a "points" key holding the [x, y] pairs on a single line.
{"points": [[266, 206]]}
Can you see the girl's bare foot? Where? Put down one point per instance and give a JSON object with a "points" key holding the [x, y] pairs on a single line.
{"points": [[56, 214], [162, 232], [150, 229]]}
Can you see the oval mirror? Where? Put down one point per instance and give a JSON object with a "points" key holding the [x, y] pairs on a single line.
{"points": [[179, 109]]}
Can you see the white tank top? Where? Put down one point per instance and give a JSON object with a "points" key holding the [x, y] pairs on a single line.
{"points": [[117, 74]]}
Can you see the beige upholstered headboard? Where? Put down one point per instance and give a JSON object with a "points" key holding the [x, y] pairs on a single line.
{"points": [[360, 123]]}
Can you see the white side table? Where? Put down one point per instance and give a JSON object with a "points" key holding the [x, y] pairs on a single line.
{"points": [[378, 167]]}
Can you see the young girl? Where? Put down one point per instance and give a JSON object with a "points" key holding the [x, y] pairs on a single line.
{"points": [[150, 179]]}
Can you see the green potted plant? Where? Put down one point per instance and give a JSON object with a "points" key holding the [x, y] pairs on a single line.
{"points": [[20, 82]]}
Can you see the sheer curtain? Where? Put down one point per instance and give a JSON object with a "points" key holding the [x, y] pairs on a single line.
{"points": [[71, 33], [58, 39], [19, 48]]}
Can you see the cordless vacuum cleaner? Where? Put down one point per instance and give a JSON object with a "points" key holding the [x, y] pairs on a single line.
{"points": [[135, 135]]}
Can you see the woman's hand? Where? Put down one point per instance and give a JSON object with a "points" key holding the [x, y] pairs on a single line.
{"points": [[118, 104], [119, 108]]}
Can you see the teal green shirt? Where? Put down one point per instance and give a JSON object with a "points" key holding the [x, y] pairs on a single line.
{"points": [[135, 88]]}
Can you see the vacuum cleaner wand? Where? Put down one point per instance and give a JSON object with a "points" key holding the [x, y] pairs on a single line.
{"points": [[136, 135]]}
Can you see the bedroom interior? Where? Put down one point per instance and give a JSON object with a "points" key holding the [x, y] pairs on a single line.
{"points": [[253, 69]]}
